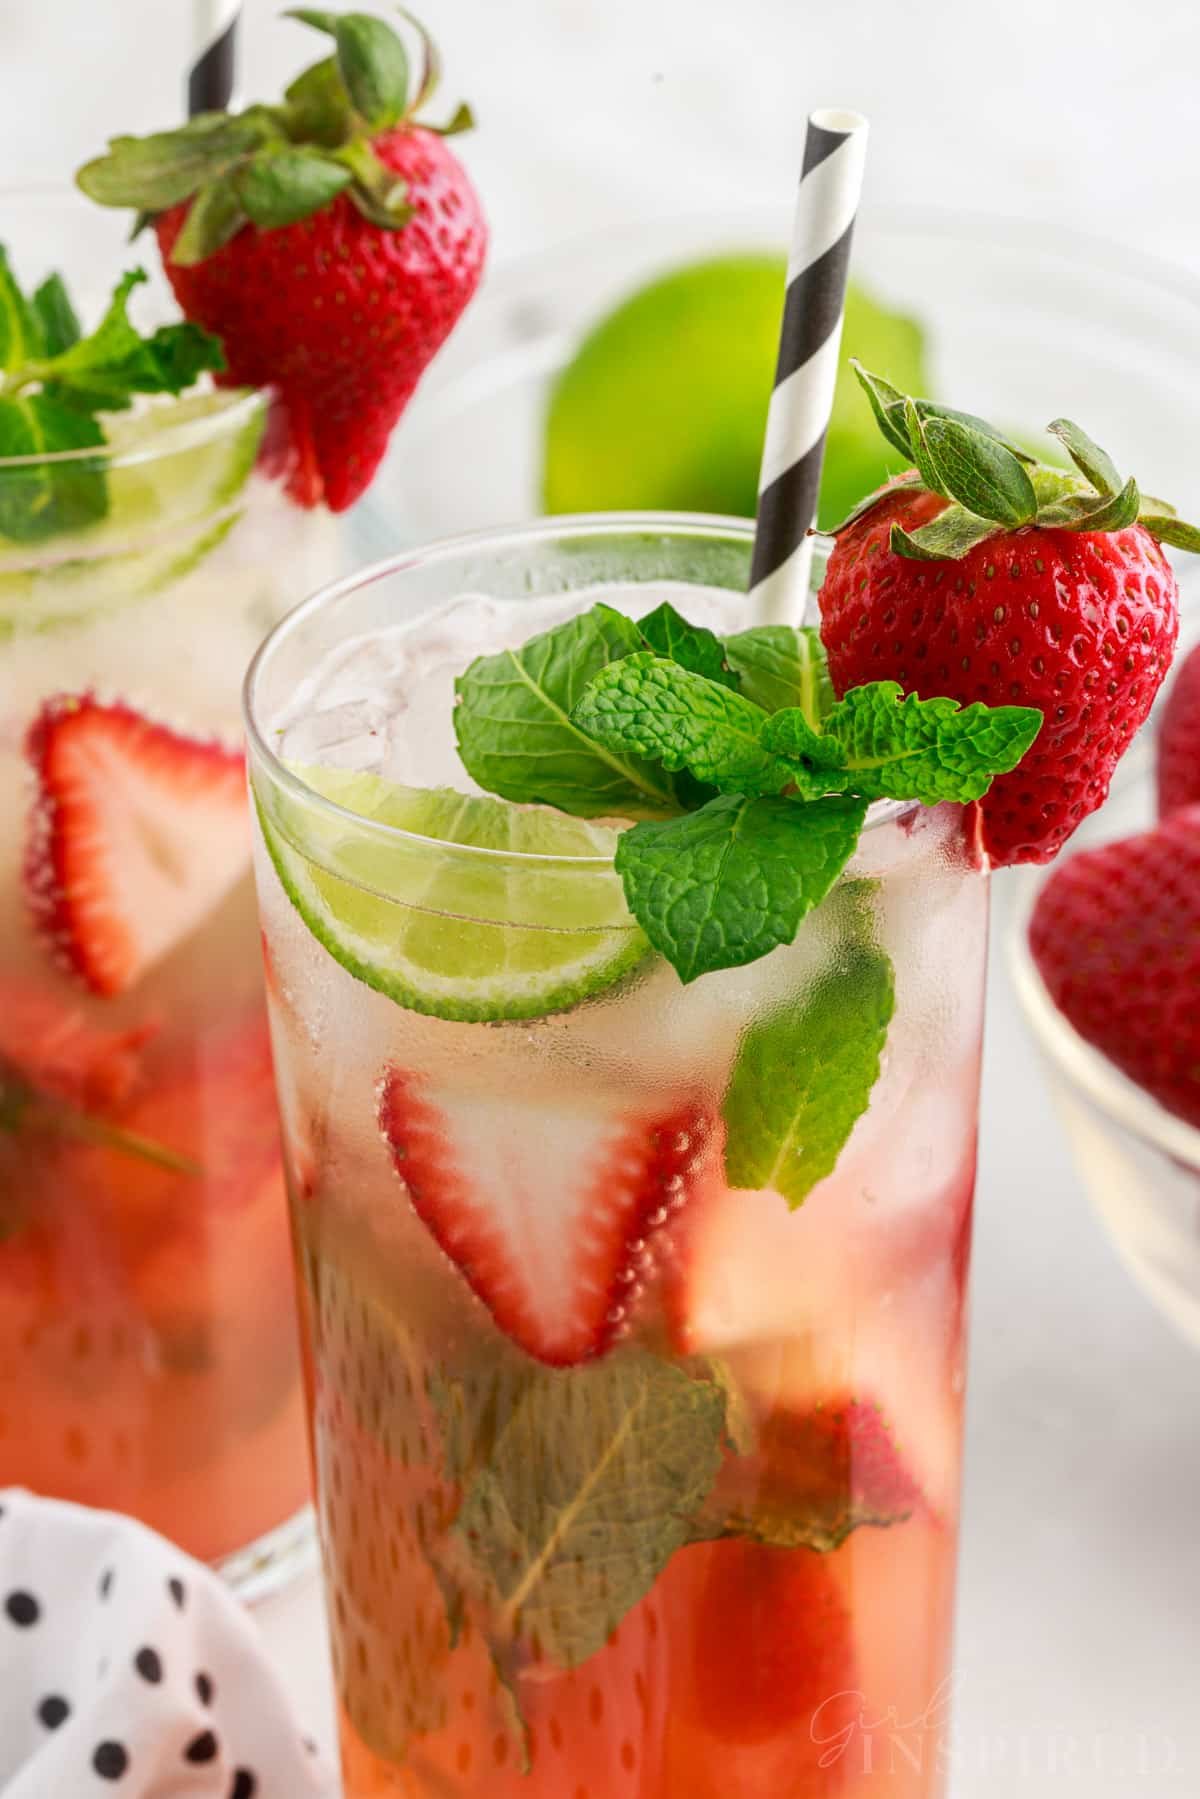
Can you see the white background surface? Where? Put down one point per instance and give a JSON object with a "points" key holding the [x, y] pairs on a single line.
{"points": [[1079, 1639]]}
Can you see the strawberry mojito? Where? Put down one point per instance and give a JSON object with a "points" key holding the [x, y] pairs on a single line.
{"points": [[159, 509]]}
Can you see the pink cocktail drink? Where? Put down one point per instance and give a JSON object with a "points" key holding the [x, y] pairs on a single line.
{"points": [[635, 1475]]}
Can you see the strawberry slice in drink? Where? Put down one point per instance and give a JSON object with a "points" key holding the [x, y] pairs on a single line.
{"points": [[549, 1211], [136, 834], [52, 1048]]}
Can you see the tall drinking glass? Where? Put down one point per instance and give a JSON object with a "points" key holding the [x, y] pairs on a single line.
{"points": [[694, 1533], [148, 1354]]}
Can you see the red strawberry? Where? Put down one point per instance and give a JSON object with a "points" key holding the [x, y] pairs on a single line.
{"points": [[51, 1047], [1079, 624], [330, 242], [1116, 935], [547, 1211], [136, 835], [771, 1647], [1179, 740], [833, 1468]]}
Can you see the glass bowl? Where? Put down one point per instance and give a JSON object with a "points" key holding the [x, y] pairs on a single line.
{"points": [[1140, 1163], [1023, 323]]}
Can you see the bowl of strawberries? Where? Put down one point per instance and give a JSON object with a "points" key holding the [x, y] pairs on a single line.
{"points": [[1106, 956]]}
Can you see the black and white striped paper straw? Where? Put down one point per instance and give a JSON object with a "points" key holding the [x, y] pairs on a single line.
{"points": [[214, 70], [802, 398]]}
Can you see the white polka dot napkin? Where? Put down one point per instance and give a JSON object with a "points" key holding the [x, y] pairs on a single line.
{"points": [[128, 1671]]}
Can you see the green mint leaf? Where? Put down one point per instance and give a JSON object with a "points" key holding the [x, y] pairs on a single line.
{"points": [[646, 706], [20, 329], [101, 371], [317, 107], [60, 328], [887, 403], [972, 467], [278, 187], [517, 737], [47, 497], [804, 1075], [1088, 457], [371, 60], [154, 172], [215, 216], [1169, 529], [669, 634], [725, 885], [589, 1490], [945, 538], [815, 762], [1094, 511], [897, 746], [783, 665]]}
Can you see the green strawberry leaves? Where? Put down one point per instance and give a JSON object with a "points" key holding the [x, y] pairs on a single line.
{"points": [[270, 166], [725, 885], [54, 381], [371, 62], [804, 1075], [993, 486]]}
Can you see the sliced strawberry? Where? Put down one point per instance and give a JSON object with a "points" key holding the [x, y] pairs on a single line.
{"points": [[548, 1211], [815, 1476], [53, 1047], [136, 835], [213, 1110], [772, 1652], [1179, 740]]}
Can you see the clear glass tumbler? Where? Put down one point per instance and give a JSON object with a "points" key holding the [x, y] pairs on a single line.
{"points": [[713, 1552], [148, 1350]]}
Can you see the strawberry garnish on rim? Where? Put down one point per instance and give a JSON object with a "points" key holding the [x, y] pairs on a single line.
{"points": [[330, 241], [548, 1213], [137, 833], [984, 575]]}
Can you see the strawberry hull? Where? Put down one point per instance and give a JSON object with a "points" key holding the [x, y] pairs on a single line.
{"points": [[634, 1479], [148, 1357]]}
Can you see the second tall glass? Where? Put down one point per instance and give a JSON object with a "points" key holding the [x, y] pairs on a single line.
{"points": [[694, 1534]]}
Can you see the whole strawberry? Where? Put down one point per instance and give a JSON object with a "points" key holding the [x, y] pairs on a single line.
{"points": [[1179, 740], [986, 576], [1116, 935], [330, 242]]}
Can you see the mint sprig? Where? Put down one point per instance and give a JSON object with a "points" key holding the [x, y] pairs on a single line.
{"points": [[54, 381], [993, 486], [748, 815], [876, 742]]}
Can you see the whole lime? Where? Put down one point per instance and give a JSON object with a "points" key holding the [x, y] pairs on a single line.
{"points": [[664, 405]]}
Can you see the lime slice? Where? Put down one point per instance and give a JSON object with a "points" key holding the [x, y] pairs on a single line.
{"points": [[177, 470], [456, 935], [664, 406]]}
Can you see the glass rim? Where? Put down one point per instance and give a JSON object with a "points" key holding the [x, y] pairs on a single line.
{"points": [[171, 438], [1087, 1071], [595, 524]]}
